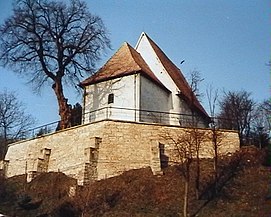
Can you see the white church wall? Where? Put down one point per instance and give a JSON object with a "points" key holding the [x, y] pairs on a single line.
{"points": [[148, 54], [125, 92], [153, 98], [145, 50]]}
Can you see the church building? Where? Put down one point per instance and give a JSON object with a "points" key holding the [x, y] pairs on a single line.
{"points": [[141, 84], [134, 107]]}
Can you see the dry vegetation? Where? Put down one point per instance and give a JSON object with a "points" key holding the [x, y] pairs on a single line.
{"points": [[244, 188]]}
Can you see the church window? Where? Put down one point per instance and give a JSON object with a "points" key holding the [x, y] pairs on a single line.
{"points": [[110, 98]]}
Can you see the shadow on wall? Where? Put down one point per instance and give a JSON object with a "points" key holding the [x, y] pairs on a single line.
{"points": [[163, 157]]}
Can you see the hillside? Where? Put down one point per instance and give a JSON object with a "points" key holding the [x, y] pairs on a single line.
{"points": [[244, 190]]}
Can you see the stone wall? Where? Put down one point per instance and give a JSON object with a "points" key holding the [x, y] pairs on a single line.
{"points": [[104, 149]]}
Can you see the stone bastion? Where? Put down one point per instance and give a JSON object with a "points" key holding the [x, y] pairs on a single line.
{"points": [[106, 148]]}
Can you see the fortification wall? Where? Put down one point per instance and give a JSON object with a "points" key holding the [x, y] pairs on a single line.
{"points": [[104, 149]]}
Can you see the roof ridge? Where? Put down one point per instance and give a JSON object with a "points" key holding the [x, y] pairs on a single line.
{"points": [[134, 52], [110, 59], [131, 51]]}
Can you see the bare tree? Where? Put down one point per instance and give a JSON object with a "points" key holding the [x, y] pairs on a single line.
{"points": [[198, 137], [184, 147], [195, 136], [52, 43], [194, 80], [265, 108], [216, 135], [261, 123], [13, 120], [212, 97], [187, 148], [236, 112]]}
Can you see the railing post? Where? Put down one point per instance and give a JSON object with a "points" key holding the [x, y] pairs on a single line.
{"points": [[160, 118]]}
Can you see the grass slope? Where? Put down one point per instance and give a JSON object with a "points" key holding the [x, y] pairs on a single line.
{"points": [[244, 190]]}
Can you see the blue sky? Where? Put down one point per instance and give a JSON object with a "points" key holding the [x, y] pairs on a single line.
{"points": [[227, 41]]}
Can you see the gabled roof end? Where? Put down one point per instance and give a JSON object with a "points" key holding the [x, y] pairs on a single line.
{"points": [[139, 39]]}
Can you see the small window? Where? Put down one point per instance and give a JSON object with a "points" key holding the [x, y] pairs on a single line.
{"points": [[110, 98]]}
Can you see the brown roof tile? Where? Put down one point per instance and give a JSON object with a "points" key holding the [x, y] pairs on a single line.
{"points": [[177, 76], [125, 61]]}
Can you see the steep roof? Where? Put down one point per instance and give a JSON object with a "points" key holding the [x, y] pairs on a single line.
{"points": [[176, 75], [125, 61]]}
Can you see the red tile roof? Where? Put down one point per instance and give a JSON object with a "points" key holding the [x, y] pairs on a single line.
{"points": [[177, 76], [125, 61]]}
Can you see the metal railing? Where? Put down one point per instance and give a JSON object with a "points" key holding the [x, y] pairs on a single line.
{"points": [[135, 115], [39, 131]]}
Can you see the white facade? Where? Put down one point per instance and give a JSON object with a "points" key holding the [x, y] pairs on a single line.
{"points": [[125, 94], [133, 98], [154, 102], [177, 105], [144, 48]]}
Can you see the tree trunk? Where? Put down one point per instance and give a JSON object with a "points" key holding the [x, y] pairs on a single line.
{"points": [[186, 189], [4, 142], [215, 145], [63, 106], [241, 138], [185, 203], [215, 170], [197, 177]]}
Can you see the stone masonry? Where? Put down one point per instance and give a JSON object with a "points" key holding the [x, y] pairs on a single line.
{"points": [[103, 149]]}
